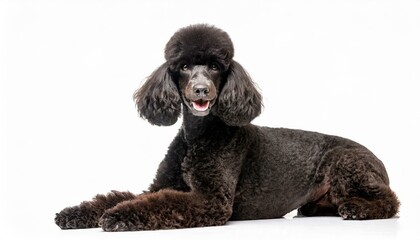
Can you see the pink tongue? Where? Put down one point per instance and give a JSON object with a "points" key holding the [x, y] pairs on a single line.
{"points": [[201, 106]]}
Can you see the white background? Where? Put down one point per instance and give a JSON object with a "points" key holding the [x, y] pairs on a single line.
{"points": [[69, 128]]}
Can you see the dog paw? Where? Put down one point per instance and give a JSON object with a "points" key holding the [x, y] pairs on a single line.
{"points": [[352, 211], [308, 209], [117, 221], [76, 217]]}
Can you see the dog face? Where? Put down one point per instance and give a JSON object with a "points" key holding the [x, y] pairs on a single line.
{"points": [[198, 56], [199, 87], [200, 74]]}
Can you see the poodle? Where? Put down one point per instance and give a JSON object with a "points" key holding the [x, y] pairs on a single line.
{"points": [[220, 167]]}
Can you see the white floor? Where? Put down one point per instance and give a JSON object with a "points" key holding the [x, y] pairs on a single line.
{"points": [[285, 228]]}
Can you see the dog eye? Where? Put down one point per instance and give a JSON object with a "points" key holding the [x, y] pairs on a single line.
{"points": [[214, 67], [184, 67]]}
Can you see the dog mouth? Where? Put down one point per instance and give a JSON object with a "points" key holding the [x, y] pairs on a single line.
{"points": [[200, 107]]}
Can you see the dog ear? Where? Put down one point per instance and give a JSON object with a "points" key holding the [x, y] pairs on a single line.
{"points": [[239, 101], [158, 99]]}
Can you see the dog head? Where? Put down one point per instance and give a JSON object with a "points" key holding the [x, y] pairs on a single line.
{"points": [[200, 74]]}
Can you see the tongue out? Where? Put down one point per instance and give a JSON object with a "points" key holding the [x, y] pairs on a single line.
{"points": [[201, 105]]}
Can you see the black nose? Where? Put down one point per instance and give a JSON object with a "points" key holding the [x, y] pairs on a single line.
{"points": [[201, 90]]}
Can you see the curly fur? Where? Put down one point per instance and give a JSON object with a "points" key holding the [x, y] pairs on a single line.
{"points": [[220, 167], [158, 100], [239, 102]]}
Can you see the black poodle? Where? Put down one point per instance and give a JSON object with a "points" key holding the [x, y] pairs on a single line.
{"points": [[220, 167]]}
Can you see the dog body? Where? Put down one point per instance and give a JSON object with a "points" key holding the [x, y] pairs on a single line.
{"points": [[286, 169], [221, 167]]}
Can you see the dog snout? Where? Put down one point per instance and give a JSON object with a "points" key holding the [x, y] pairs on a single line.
{"points": [[200, 85], [201, 90]]}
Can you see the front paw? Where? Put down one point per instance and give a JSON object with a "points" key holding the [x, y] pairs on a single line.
{"points": [[117, 220], [76, 217]]}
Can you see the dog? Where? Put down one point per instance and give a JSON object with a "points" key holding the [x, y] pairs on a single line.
{"points": [[220, 167]]}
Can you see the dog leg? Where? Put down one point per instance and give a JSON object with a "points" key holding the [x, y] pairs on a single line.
{"points": [[320, 207], [383, 205], [87, 214], [166, 209], [359, 185]]}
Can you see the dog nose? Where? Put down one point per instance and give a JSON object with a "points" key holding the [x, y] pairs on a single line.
{"points": [[201, 90]]}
